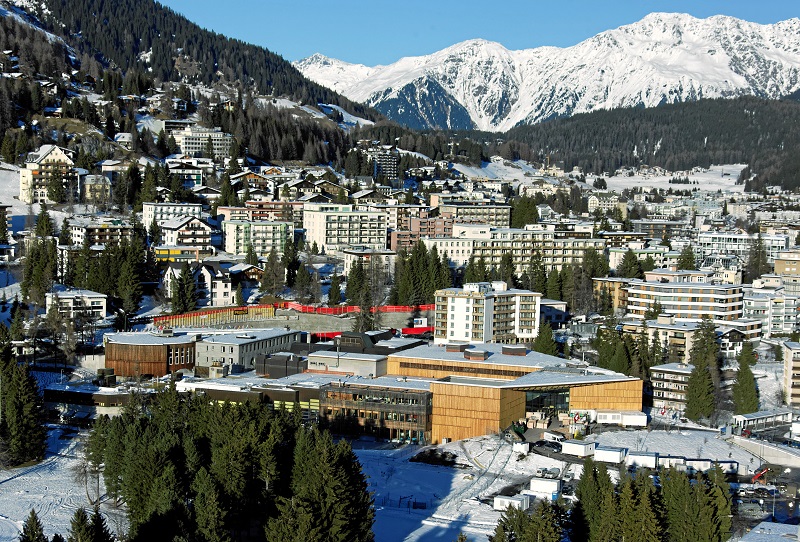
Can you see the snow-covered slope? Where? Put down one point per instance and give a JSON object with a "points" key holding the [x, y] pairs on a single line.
{"points": [[664, 58]]}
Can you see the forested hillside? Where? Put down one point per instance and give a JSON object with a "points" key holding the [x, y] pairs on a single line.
{"points": [[765, 134], [144, 35]]}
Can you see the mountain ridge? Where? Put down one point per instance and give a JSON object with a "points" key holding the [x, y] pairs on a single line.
{"points": [[663, 58]]}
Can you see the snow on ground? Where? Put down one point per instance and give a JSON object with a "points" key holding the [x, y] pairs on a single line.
{"points": [[348, 120], [769, 378], [505, 170], [415, 154], [48, 488], [692, 444], [721, 177]]}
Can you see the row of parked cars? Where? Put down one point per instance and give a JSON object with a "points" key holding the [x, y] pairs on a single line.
{"points": [[547, 445]]}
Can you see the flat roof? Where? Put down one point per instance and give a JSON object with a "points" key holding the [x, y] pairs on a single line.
{"points": [[547, 378], [676, 367], [147, 338], [532, 359], [332, 354], [246, 336]]}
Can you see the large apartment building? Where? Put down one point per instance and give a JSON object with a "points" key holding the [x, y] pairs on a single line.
{"points": [[670, 381], [684, 294], [791, 372], [739, 244], [494, 214], [193, 141], [40, 166], [491, 244], [334, 227], [99, 230], [485, 312], [262, 236], [166, 211], [767, 301]]}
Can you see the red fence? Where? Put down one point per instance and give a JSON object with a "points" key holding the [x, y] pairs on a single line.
{"points": [[261, 312], [347, 309]]}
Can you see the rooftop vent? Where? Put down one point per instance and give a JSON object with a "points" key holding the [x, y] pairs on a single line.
{"points": [[476, 355], [515, 350], [456, 347]]}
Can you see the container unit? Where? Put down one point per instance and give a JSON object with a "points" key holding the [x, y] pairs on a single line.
{"points": [[521, 447], [579, 448], [545, 486], [667, 461], [639, 460], [608, 454], [522, 501], [633, 419]]}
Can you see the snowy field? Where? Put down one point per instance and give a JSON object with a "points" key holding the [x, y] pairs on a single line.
{"points": [[414, 502], [50, 489], [505, 170], [715, 178]]}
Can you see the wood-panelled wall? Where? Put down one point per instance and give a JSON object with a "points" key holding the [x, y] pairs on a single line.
{"points": [[433, 368], [461, 412], [613, 396]]}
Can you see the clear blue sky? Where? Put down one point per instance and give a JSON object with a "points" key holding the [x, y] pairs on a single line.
{"points": [[382, 31]]}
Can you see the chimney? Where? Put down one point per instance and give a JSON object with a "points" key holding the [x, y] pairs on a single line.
{"points": [[456, 347], [515, 350], [476, 355]]}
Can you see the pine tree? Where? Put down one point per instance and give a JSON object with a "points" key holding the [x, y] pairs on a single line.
{"points": [[626, 503], [630, 267], [44, 224], [356, 281], [335, 291], [553, 289], [100, 531], [544, 343], [251, 258], [23, 414], [32, 530], [621, 362], [705, 350], [543, 525], [239, 299], [757, 263], [210, 514], [274, 274], [686, 260], [745, 392], [699, 394]]}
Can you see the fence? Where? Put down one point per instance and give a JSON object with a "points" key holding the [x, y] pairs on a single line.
{"points": [[212, 317], [232, 315], [348, 309]]}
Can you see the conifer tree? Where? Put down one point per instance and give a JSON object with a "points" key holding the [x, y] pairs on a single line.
{"points": [[745, 392], [705, 350], [699, 394], [32, 530], [44, 224], [274, 274], [630, 267], [620, 362], [251, 258], [3, 226], [568, 285], [553, 290], [80, 529], [335, 291], [239, 299], [23, 416], [686, 260], [100, 531], [544, 343], [210, 515], [356, 281]]}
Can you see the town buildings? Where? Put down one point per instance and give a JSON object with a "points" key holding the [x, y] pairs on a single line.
{"points": [[334, 227], [40, 167], [193, 141], [161, 212], [485, 312], [263, 237]]}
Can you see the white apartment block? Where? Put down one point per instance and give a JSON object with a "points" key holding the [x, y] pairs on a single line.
{"points": [[485, 312], [767, 301], [187, 231], [99, 230], [77, 303], [335, 227], [383, 258], [193, 140], [739, 244], [262, 236], [670, 381], [684, 294], [166, 211], [242, 349], [491, 243], [658, 253]]}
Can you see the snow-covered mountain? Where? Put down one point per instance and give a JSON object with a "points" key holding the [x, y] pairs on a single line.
{"points": [[664, 58]]}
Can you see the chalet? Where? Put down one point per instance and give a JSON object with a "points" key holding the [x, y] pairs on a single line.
{"points": [[40, 166], [186, 231]]}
